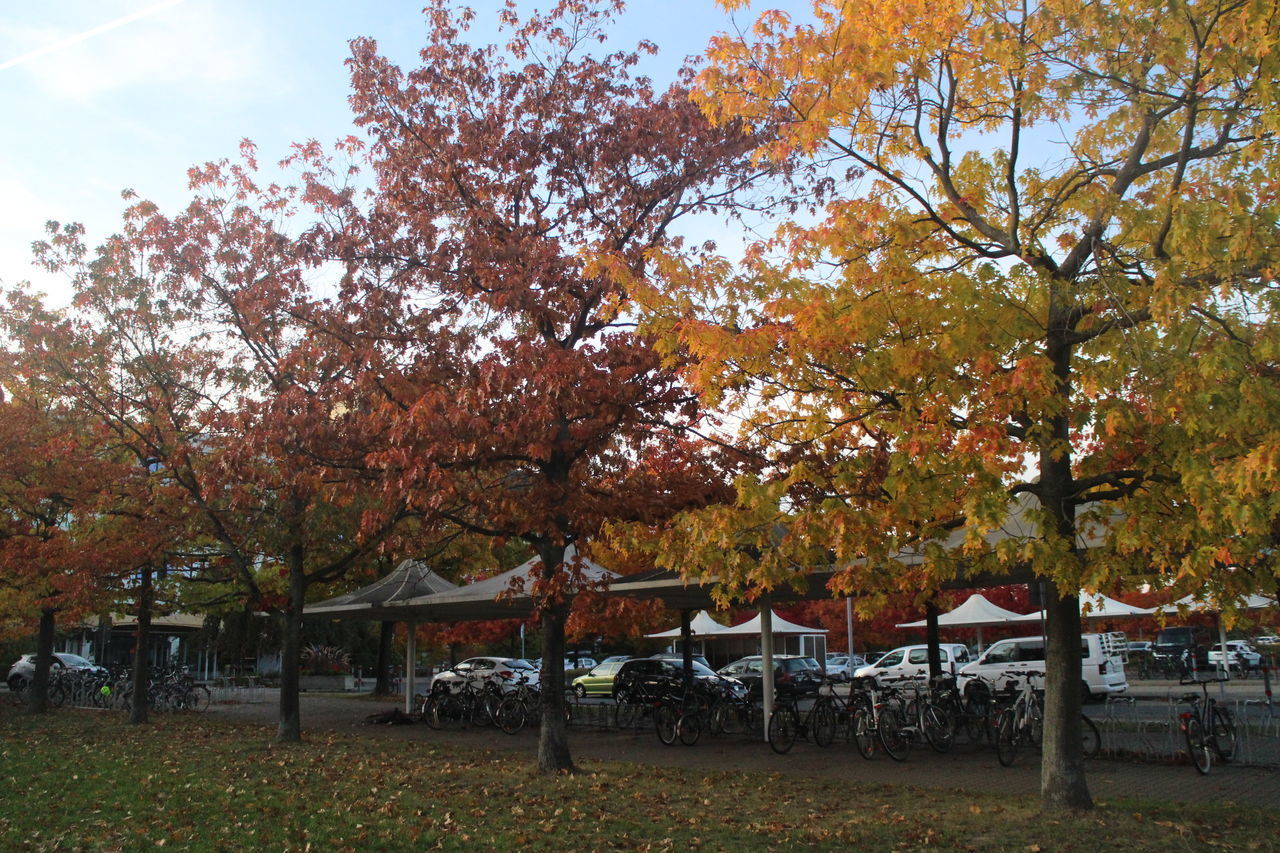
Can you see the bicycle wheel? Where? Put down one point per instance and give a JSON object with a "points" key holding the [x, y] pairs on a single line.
{"points": [[822, 723], [446, 711], [689, 727], [625, 713], [721, 718], [1033, 727], [784, 726], [892, 730], [1007, 737], [863, 734], [666, 723], [1197, 747], [510, 717], [1224, 734], [939, 727], [1091, 737]]}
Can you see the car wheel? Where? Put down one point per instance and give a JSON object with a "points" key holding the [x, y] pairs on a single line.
{"points": [[579, 691]]}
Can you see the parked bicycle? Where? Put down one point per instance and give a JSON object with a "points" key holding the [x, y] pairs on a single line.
{"points": [[519, 707], [880, 717], [1209, 728], [1022, 722], [786, 724]]}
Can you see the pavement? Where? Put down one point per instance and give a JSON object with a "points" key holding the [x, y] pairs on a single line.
{"points": [[966, 767]]}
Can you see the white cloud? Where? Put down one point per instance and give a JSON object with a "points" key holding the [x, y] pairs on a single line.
{"points": [[187, 44]]}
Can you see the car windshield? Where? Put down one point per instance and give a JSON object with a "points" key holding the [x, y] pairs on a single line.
{"points": [[520, 664]]}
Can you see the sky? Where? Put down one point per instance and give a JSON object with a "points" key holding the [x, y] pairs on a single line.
{"points": [[100, 96]]}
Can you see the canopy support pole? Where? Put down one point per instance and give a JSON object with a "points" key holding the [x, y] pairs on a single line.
{"points": [[410, 659], [766, 661], [848, 625]]}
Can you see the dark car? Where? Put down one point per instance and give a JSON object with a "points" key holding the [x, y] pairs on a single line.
{"points": [[1183, 644], [792, 674], [659, 676]]}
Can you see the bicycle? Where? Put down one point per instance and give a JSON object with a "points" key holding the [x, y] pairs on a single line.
{"points": [[879, 717], [1023, 722], [786, 724], [929, 714], [735, 715], [518, 707], [681, 714], [1208, 727]]}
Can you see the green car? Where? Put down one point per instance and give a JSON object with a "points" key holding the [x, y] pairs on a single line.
{"points": [[599, 681]]}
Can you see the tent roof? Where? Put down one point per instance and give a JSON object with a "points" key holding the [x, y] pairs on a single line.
{"points": [[491, 598], [780, 626], [1249, 602], [1098, 607], [976, 611], [410, 579], [701, 625]]}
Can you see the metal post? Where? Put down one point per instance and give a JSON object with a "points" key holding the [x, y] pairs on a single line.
{"points": [[766, 661], [686, 640], [1224, 663], [848, 624], [410, 661]]}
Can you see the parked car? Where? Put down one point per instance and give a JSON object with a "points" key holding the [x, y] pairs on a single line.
{"points": [[599, 681], [913, 662], [504, 673], [582, 662], [1183, 642], [617, 658], [792, 674], [842, 667], [1267, 640], [658, 675], [1240, 655], [24, 668], [1140, 646], [1101, 662]]}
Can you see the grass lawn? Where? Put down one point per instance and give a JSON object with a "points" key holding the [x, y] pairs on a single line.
{"points": [[83, 780]]}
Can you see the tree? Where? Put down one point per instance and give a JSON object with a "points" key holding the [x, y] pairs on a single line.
{"points": [[1042, 273], [57, 477], [196, 348], [518, 198]]}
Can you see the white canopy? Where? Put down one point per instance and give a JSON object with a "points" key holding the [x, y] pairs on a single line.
{"points": [[780, 626], [1097, 607], [976, 612], [701, 625], [1249, 602]]}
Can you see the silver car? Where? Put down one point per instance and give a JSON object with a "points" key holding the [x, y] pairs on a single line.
{"points": [[24, 668]]}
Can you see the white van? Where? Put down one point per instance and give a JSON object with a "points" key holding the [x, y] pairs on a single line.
{"points": [[1101, 665], [913, 662]]}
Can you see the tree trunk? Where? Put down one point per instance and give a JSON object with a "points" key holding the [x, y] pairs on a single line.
{"points": [[932, 638], [1062, 780], [290, 728], [385, 638], [1062, 777], [38, 689], [142, 644], [553, 739]]}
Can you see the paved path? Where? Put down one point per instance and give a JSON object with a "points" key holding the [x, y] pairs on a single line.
{"points": [[966, 768]]}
